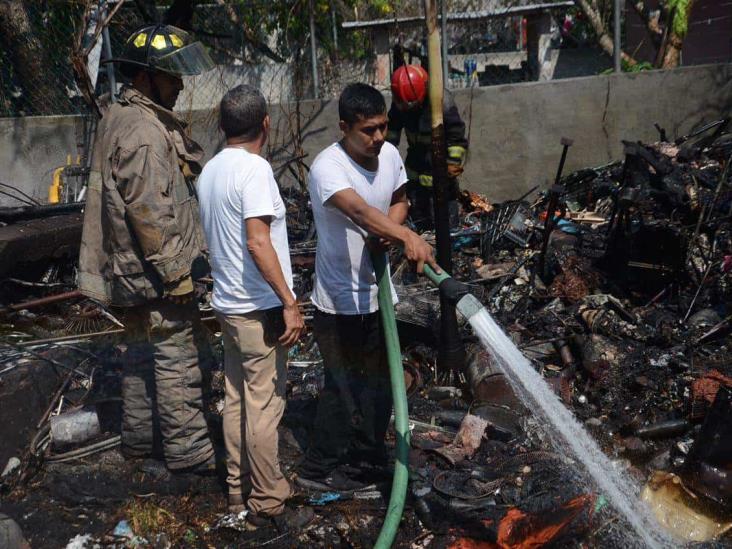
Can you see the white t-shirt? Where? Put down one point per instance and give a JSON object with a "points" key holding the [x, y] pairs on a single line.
{"points": [[236, 185], [345, 282]]}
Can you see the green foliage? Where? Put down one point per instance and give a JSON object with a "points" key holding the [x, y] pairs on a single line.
{"points": [[382, 7], [638, 67], [288, 22], [681, 16], [627, 67]]}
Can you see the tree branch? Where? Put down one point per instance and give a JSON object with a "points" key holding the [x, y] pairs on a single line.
{"points": [[589, 7], [651, 19], [249, 34]]}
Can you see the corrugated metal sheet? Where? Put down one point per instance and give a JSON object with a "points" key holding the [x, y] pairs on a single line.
{"points": [[464, 15]]}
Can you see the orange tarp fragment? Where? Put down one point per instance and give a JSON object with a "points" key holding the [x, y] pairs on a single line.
{"points": [[518, 530]]}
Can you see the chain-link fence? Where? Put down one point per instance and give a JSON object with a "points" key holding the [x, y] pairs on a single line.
{"points": [[268, 44], [36, 74]]}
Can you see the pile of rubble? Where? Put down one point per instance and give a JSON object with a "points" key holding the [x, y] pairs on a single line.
{"points": [[615, 283]]}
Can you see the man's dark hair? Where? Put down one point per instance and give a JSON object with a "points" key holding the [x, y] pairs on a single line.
{"points": [[242, 112], [360, 101]]}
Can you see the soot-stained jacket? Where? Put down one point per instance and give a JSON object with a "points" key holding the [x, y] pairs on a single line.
{"points": [[142, 231], [417, 125]]}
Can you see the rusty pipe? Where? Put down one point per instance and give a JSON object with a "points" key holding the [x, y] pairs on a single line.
{"points": [[42, 301]]}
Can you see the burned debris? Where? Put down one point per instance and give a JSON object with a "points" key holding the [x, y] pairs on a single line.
{"points": [[615, 283]]}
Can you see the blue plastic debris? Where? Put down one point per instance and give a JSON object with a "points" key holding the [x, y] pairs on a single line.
{"points": [[324, 498], [123, 530], [567, 226]]}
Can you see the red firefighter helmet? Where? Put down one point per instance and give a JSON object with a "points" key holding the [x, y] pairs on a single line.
{"points": [[409, 85]]}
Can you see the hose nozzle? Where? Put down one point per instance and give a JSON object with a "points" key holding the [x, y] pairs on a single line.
{"points": [[450, 288]]}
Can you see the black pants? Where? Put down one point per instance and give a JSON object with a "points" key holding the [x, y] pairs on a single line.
{"points": [[422, 206], [355, 403]]}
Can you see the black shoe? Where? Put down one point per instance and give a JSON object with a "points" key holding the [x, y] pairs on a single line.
{"points": [[158, 471], [159, 479], [155, 470], [335, 481], [205, 468], [290, 520], [368, 472]]}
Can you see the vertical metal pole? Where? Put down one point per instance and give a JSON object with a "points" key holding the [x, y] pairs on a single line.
{"points": [[335, 25], [616, 38], [445, 61], [107, 48], [451, 354], [314, 51]]}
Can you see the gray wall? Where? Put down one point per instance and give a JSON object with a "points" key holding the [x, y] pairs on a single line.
{"points": [[514, 129]]}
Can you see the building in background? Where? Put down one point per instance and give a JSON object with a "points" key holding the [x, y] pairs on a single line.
{"points": [[502, 42]]}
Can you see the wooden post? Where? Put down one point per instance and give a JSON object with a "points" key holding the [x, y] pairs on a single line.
{"points": [[313, 51], [616, 36], [451, 354]]}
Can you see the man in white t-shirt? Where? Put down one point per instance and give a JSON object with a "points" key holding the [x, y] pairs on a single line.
{"points": [[357, 191], [243, 218]]}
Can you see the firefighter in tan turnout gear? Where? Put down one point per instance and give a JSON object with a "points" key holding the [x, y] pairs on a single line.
{"points": [[142, 240]]}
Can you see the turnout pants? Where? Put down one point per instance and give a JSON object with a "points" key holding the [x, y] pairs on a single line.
{"points": [[166, 361], [355, 403], [422, 205], [256, 379]]}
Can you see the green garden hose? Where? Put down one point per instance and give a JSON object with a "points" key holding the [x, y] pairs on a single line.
{"points": [[399, 482], [435, 278], [399, 396]]}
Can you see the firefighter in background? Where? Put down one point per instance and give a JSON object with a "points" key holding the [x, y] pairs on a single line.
{"points": [[410, 111]]}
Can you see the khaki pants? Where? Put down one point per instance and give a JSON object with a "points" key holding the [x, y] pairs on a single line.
{"points": [[167, 363], [256, 376]]}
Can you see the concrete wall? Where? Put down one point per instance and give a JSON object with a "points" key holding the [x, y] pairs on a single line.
{"points": [[514, 129]]}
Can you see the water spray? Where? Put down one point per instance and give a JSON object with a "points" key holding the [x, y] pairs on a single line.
{"points": [[567, 433]]}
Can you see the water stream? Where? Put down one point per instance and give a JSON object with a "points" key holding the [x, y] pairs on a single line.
{"points": [[562, 426]]}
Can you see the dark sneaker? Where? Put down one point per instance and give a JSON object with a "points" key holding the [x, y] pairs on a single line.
{"points": [[290, 520], [335, 481], [368, 472]]}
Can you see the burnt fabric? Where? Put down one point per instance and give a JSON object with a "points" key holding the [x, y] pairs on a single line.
{"points": [[167, 364], [355, 403]]}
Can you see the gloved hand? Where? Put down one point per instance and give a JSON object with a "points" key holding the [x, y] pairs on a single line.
{"points": [[181, 291], [454, 170]]}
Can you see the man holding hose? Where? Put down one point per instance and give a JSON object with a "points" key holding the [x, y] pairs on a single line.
{"points": [[357, 188]]}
